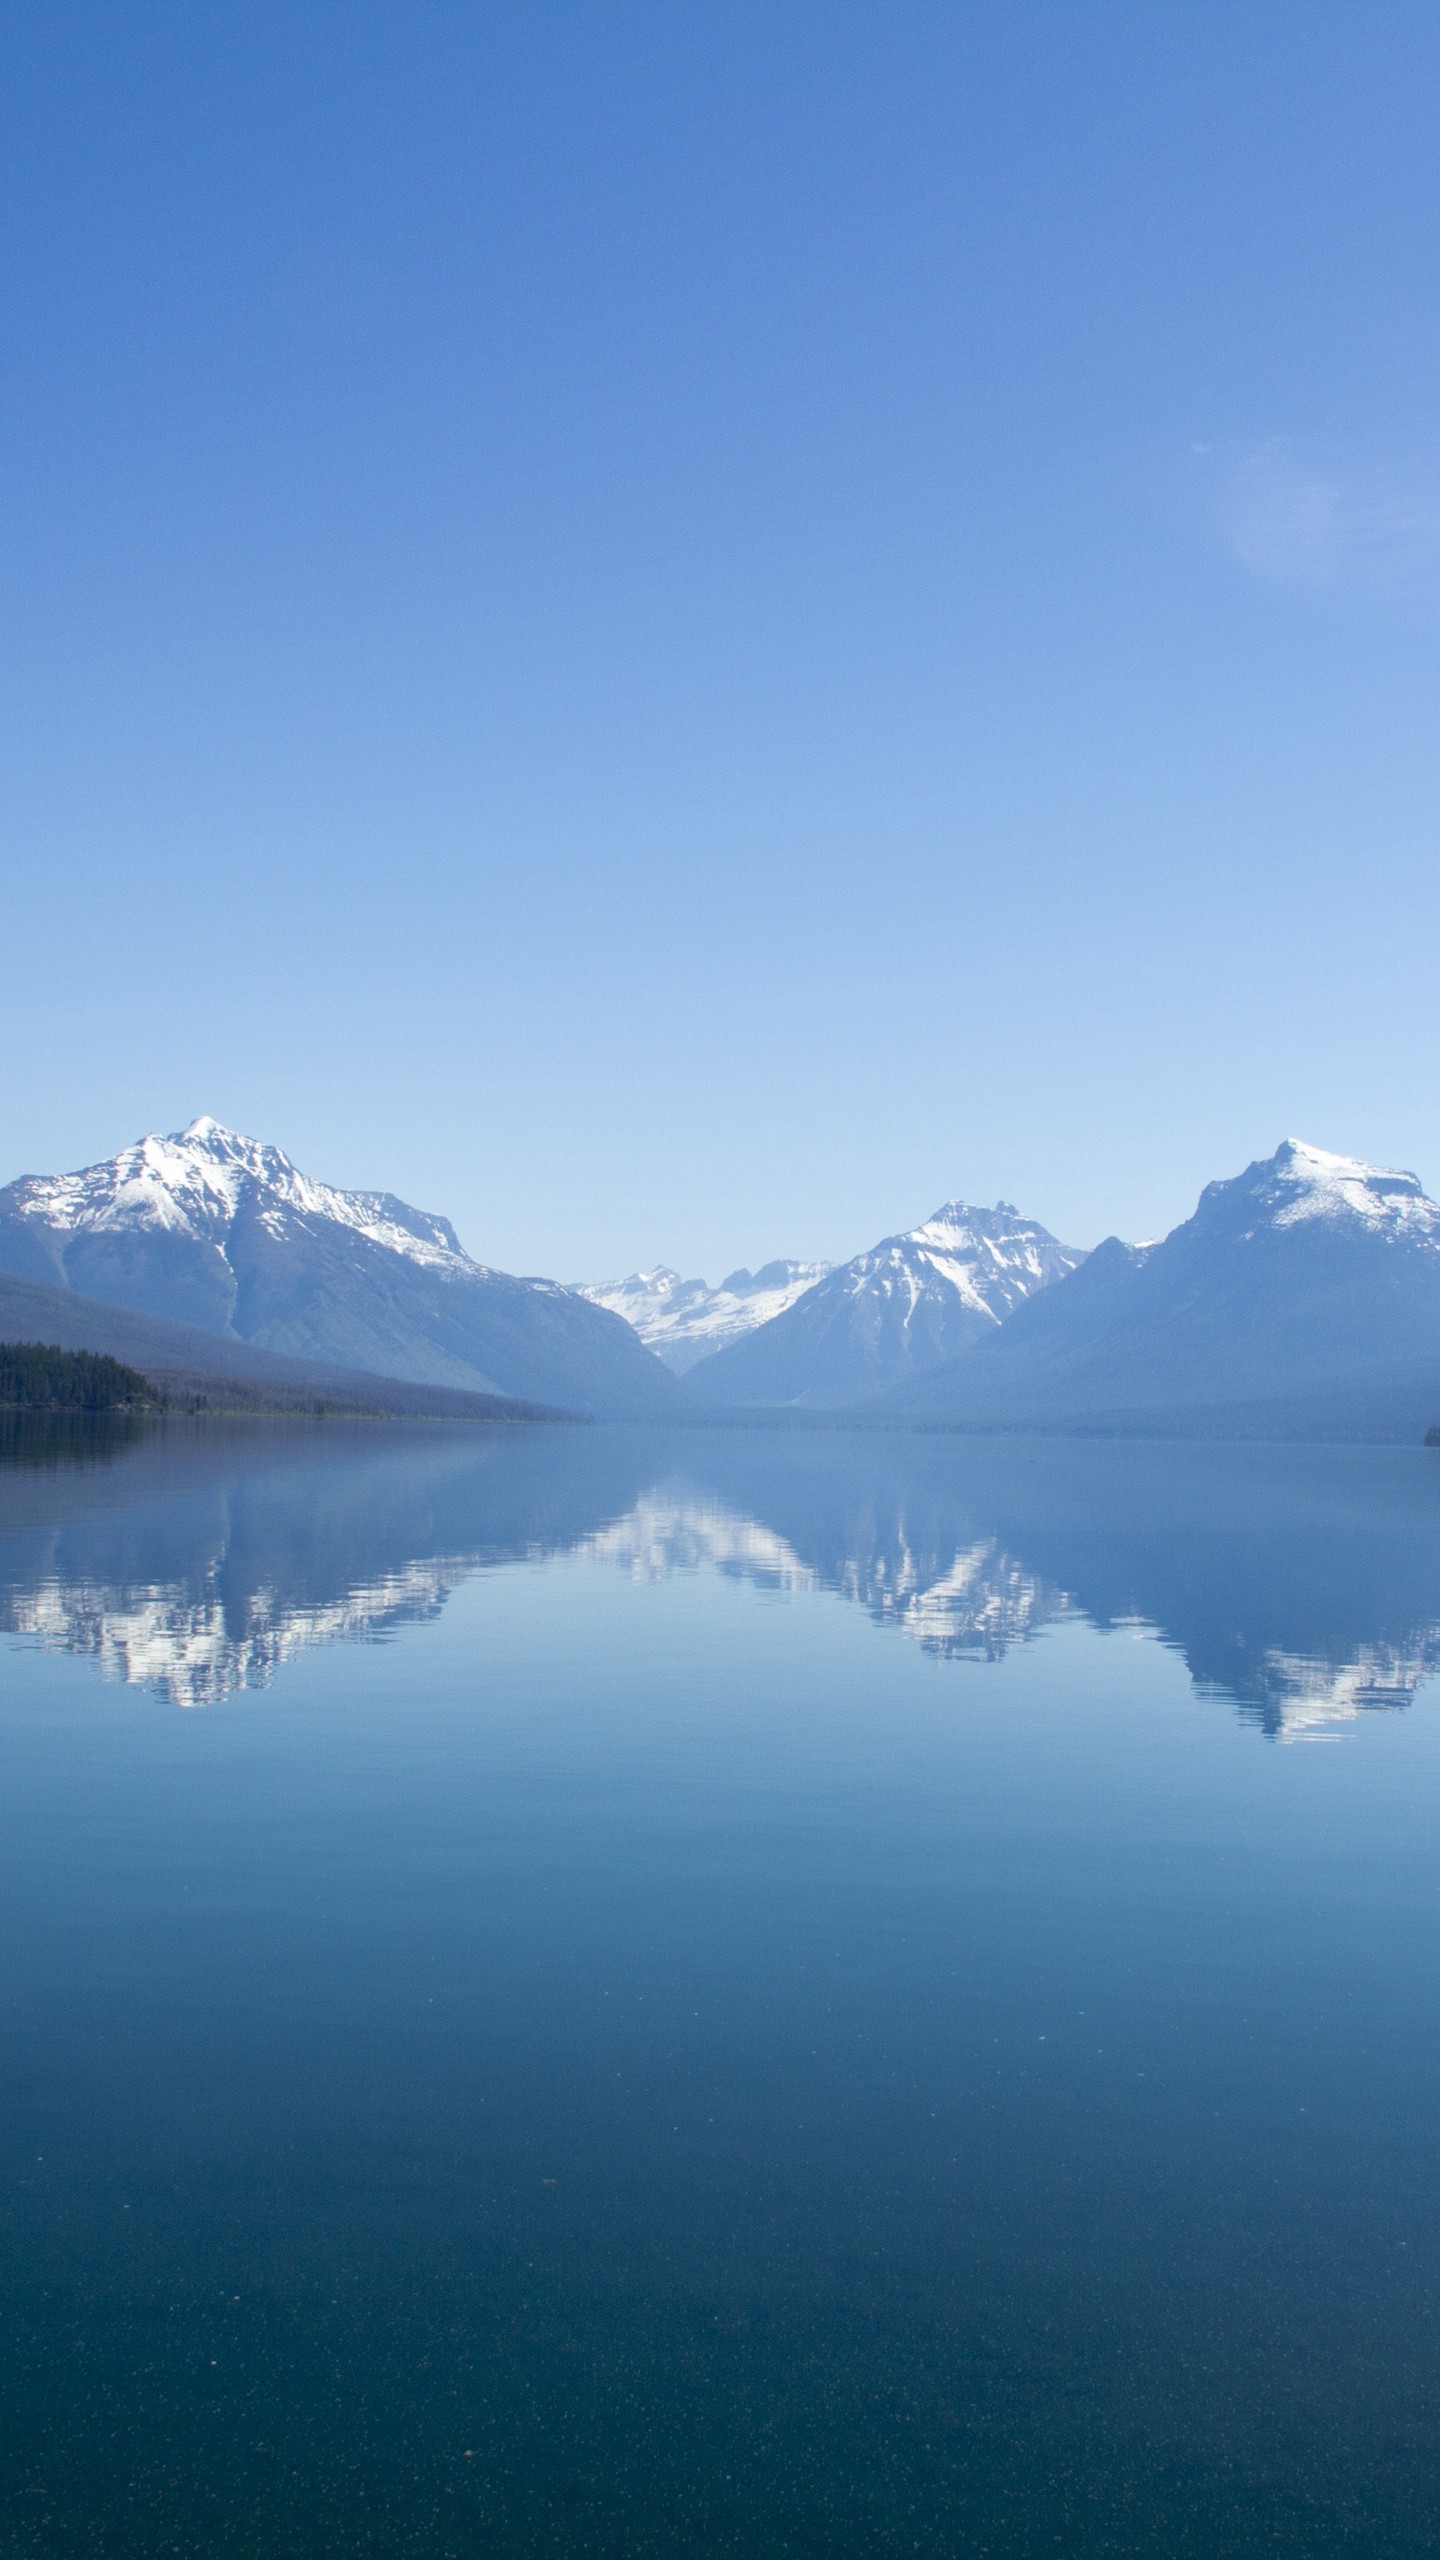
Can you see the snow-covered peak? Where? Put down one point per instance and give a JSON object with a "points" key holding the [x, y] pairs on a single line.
{"points": [[1001, 1220], [913, 1302], [958, 1226], [644, 1290], [1319, 1185], [682, 1321], [203, 1130], [196, 1181], [990, 1259], [1301, 1184]]}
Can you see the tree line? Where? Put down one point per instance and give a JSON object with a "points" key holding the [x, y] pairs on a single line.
{"points": [[38, 1377]]}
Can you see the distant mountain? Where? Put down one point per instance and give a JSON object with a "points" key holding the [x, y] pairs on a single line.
{"points": [[211, 1229], [1308, 1284], [913, 1303], [682, 1321]]}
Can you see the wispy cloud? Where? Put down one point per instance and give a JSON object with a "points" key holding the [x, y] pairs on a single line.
{"points": [[1368, 526]]}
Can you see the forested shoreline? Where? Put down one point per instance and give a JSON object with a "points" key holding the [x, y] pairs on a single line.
{"points": [[38, 1377]]}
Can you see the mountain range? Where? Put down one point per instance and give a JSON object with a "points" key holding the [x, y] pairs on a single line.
{"points": [[682, 1320], [1302, 1291], [910, 1305], [1301, 1300], [223, 1234]]}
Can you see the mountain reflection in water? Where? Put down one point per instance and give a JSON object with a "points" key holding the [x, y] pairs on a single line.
{"points": [[1303, 1585]]}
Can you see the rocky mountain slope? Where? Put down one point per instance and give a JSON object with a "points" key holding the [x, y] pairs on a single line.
{"points": [[191, 1366], [212, 1229], [1306, 1280], [913, 1303], [682, 1321]]}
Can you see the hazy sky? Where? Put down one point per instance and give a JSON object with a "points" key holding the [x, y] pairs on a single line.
{"points": [[681, 631]]}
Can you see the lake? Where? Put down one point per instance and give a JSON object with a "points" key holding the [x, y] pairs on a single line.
{"points": [[736, 1992]]}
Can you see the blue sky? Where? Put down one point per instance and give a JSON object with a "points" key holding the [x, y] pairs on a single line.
{"points": [[682, 631]]}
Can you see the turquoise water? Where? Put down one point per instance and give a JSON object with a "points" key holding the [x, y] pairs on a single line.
{"points": [[749, 1993]]}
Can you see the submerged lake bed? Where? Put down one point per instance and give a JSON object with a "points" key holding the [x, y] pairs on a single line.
{"points": [[740, 1992]]}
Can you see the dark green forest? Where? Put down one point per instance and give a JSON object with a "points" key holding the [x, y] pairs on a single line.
{"points": [[38, 1377]]}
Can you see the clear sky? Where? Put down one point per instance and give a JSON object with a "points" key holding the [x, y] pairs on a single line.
{"points": [[681, 631]]}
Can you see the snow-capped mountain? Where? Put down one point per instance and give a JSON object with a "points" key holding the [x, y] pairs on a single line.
{"points": [[1306, 1273], [682, 1321], [1302, 1185], [914, 1302], [217, 1230]]}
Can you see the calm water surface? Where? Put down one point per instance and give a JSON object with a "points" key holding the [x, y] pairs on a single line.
{"points": [[749, 1993]]}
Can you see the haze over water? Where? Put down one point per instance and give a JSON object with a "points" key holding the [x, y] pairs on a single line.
{"points": [[758, 1993]]}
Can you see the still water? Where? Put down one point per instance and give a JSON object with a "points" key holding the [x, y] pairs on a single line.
{"points": [[737, 1993]]}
